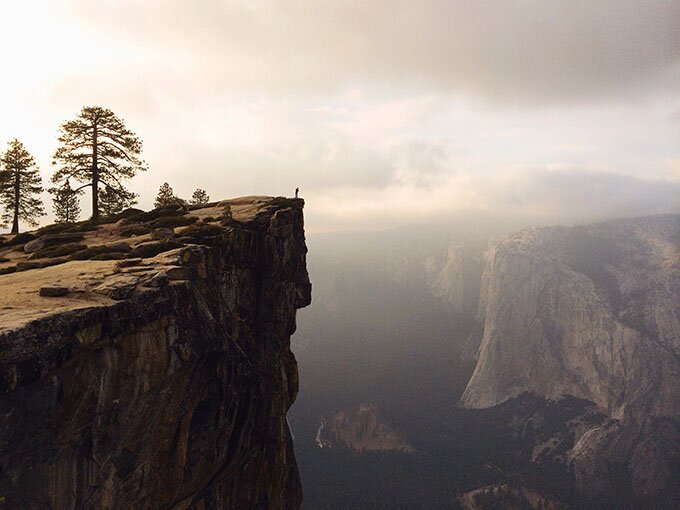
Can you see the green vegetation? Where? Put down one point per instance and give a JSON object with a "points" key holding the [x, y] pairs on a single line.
{"points": [[166, 197], [66, 203], [147, 250], [20, 185], [90, 252], [98, 149], [200, 197], [60, 250], [173, 221]]}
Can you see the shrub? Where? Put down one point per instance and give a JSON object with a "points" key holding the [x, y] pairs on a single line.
{"points": [[170, 210], [92, 251], [64, 238], [199, 233], [135, 230], [59, 250], [22, 238], [109, 256], [147, 250], [8, 270], [25, 266], [173, 221]]}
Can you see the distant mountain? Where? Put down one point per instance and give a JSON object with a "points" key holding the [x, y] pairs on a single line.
{"points": [[592, 312], [361, 428]]}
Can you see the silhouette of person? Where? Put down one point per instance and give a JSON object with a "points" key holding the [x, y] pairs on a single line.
{"points": [[297, 190]]}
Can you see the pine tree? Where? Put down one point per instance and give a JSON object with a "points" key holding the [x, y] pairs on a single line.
{"points": [[21, 183], [113, 201], [200, 197], [66, 204], [166, 196], [97, 149]]}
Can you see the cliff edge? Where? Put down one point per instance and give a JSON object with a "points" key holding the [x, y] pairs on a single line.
{"points": [[146, 363]]}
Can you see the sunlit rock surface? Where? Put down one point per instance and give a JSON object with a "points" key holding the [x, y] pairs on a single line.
{"points": [[592, 312], [173, 395]]}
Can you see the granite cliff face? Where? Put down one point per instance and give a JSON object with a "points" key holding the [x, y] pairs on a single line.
{"points": [[172, 393], [591, 312]]}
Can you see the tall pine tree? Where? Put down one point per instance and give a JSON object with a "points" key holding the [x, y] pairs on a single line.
{"points": [[21, 183], [66, 203], [97, 150]]}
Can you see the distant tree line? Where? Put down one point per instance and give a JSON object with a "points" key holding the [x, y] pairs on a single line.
{"points": [[96, 151]]}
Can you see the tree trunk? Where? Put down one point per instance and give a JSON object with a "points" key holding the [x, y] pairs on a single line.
{"points": [[17, 196], [95, 176]]}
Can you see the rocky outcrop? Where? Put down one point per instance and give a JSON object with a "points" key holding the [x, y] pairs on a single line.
{"points": [[361, 428], [172, 394], [592, 312]]}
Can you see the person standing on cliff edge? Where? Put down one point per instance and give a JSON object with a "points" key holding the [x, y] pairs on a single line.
{"points": [[297, 190]]}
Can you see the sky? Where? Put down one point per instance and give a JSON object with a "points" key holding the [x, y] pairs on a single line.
{"points": [[384, 113]]}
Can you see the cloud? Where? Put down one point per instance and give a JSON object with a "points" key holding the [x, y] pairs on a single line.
{"points": [[583, 195], [421, 163], [527, 52]]}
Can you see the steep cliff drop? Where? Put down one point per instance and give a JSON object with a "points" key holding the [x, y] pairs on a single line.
{"points": [[159, 380], [592, 312]]}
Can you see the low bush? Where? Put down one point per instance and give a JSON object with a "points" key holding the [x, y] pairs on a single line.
{"points": [[61, 239], [135, 230], [199, 233], [173, 221], [142, 217], [59, 250], [22, 238], [109, 256], [25, 266], [147, 250], [90, 252]]}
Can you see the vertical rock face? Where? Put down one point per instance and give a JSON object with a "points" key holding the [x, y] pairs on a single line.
{"points": [[592, 312], [175, 397]]}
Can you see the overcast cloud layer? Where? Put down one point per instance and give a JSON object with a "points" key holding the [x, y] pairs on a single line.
{"points": [[384, 112]]}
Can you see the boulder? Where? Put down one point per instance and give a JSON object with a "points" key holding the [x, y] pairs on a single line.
{"points": [[35, 245], [177, 273], [159, 234], [160, 279], [118, 287]]}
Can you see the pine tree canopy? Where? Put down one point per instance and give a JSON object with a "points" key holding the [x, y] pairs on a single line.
{"points": [[66, 203], [166, 196], [98, 151], [114, 201], [20, 183], [200, 197]]}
